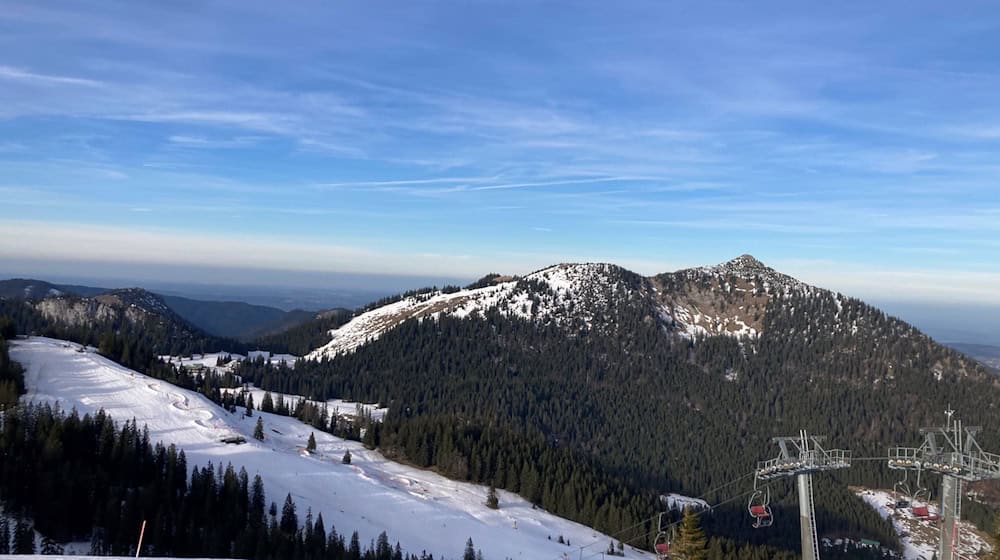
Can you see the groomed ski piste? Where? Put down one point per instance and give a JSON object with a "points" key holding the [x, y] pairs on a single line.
{"points": [[421, 510]]}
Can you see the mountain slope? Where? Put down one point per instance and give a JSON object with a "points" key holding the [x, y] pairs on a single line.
{"points": [[574, 297], [423, 510]]}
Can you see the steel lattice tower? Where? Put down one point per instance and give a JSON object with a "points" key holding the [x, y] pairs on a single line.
{"points": [[952, 452], [801, 457]]}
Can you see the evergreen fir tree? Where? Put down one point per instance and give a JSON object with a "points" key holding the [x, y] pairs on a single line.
{"points": [[347, 457], [491, 498], [24, 538], [50, 547], [354, 549], [249, 409], [470, 550], [267, 403], [258, 430], [289, 520], [690, 542], [311, 444], [4, 535]]}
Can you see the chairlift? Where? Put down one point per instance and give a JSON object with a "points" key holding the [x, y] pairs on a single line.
{"points": [[919, 492], [902, 492], [661, 545], [759, 506], [917, 495]]}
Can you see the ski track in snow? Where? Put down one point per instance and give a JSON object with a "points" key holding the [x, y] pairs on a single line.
{"points": [[419, 509]]}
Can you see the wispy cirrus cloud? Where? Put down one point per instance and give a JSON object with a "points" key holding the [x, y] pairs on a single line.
{"points": [[19, 75]]}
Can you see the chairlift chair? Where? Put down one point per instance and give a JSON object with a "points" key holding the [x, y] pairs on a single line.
{"points": [[661, 545], [902, 491], [759, 507]]}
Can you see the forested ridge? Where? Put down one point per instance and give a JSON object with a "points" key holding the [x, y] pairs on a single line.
{"points": [[608, 418], [133, 339]]}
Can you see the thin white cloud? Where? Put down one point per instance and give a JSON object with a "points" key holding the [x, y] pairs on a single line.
{"points": [[19, 75], [198, 142]]}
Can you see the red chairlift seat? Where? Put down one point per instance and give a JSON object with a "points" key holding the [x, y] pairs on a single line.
{"points": [[661, 546], [759, 507], [920, 511]]}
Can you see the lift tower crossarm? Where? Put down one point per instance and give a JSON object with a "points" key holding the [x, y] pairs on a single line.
{"points": [[801, 457]]}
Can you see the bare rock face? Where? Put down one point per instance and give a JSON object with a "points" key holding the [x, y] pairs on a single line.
{"points": [[132, 305], [75, 311], [729, 298]]}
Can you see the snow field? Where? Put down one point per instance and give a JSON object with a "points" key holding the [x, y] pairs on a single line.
{"points": [[919, 537]]}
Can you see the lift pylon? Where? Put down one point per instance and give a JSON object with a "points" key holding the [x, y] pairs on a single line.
{"points": [[801, 457], [952, 452]]}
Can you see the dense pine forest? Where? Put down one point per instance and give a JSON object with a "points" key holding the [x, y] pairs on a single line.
{"points": [[301, 339]]}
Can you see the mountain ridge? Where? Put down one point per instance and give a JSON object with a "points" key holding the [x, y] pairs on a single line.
{"points": [[230, 319], [578, 295]]}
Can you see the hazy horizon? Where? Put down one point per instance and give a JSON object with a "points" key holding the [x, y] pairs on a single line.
{"points": [[973, 323]]}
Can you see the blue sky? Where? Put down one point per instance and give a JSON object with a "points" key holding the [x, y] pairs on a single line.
{"points": [[854, 145]]}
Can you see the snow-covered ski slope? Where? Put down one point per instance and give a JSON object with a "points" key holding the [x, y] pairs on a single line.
{"points": [[419, 509], [919, 537]]}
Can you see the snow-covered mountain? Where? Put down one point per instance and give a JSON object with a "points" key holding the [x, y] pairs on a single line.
{"points": [[729, 298], [740, 298]]}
